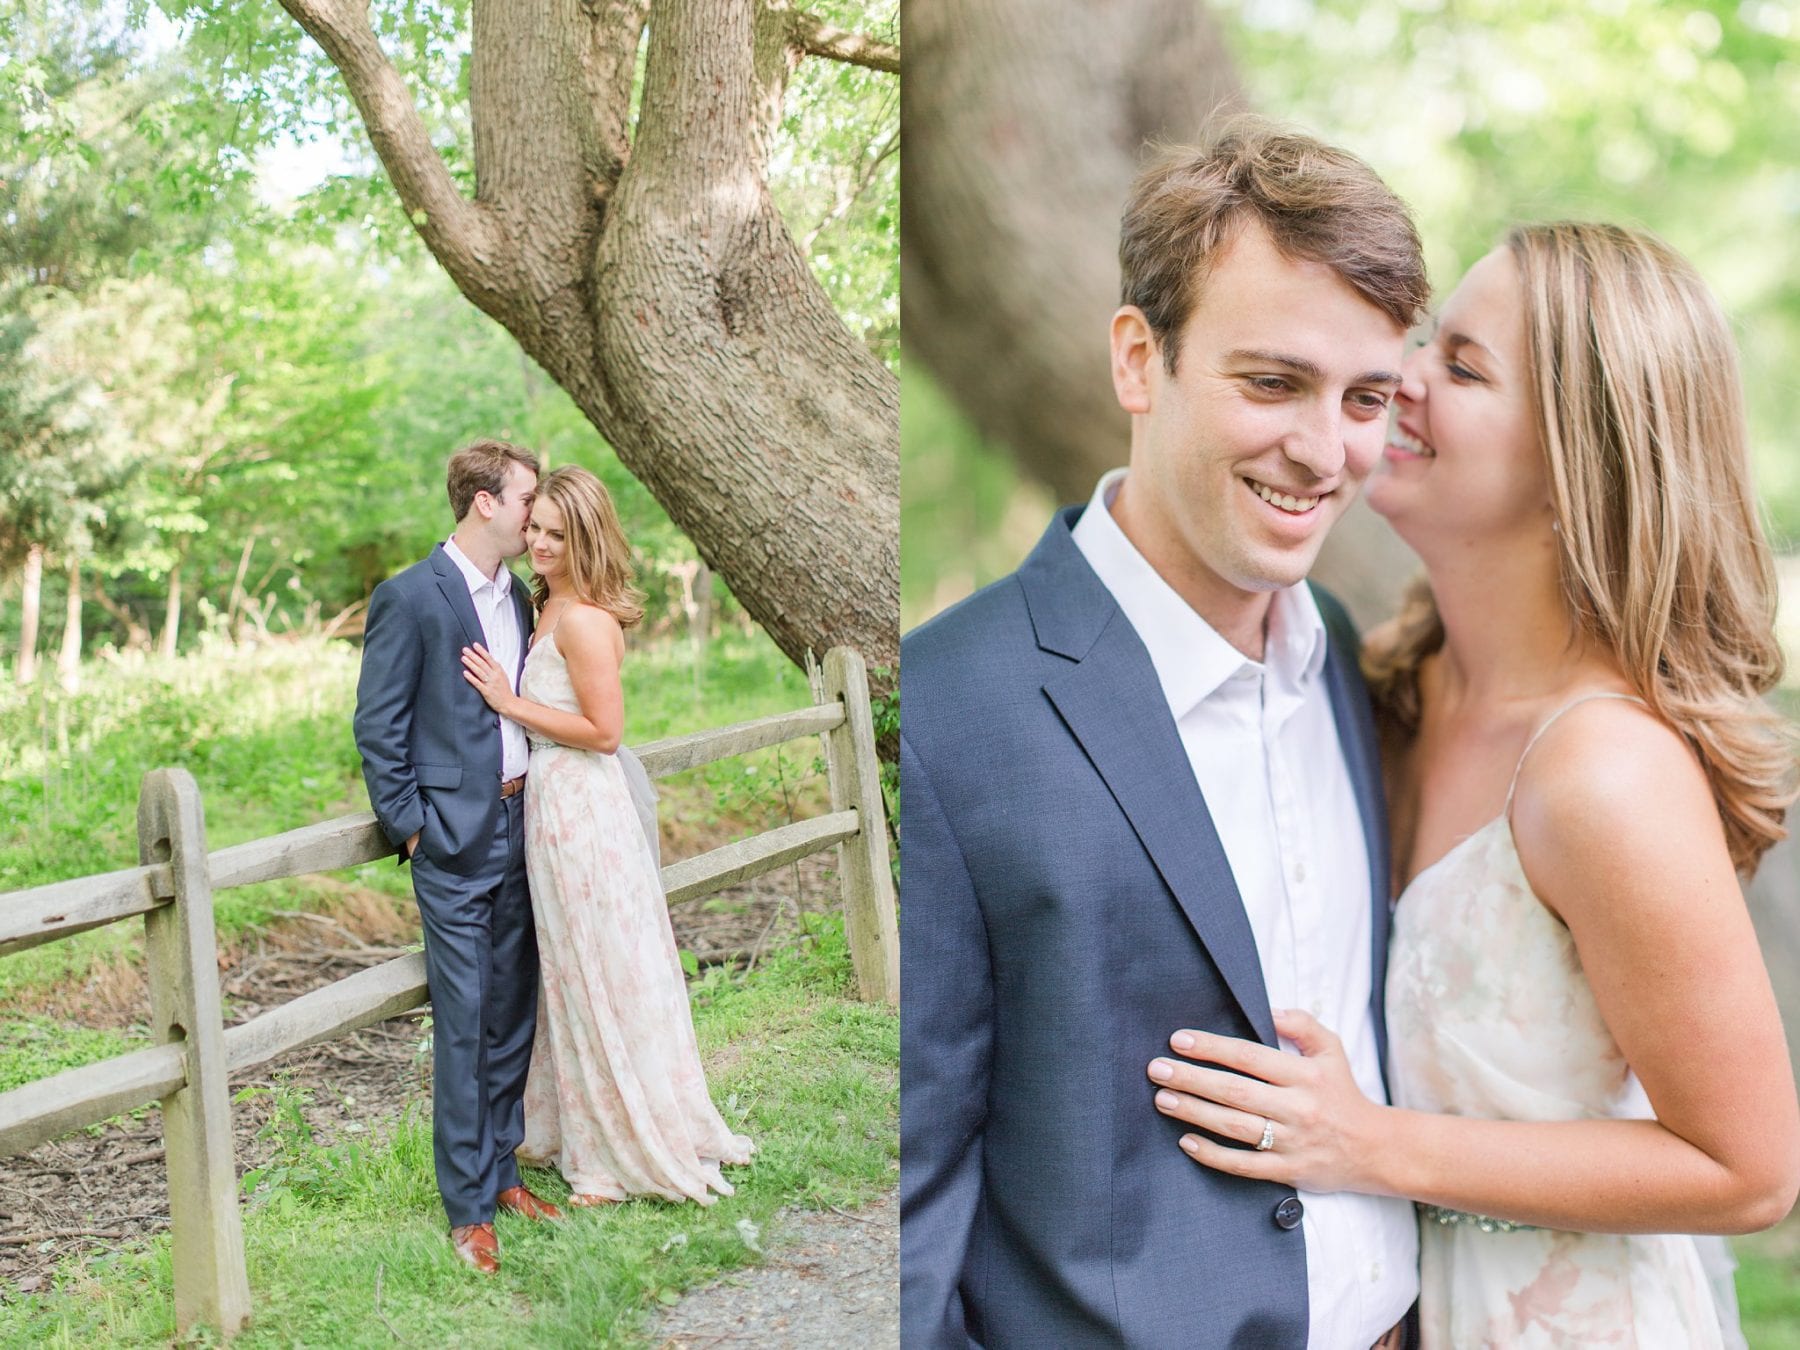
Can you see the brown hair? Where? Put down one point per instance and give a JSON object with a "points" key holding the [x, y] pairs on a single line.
{"points": [[1634, 380], [1318, 203], [599, 558], [481, 466]]}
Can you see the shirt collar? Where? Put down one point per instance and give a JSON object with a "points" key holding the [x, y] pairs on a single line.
{"points": [[1189, 656], [471, 573]]}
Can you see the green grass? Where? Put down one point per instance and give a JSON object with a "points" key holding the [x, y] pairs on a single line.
{"points": [[811, 1074]]}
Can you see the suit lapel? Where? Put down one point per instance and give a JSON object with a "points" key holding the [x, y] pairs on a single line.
{"points": [[455, 587], [1115, 709], [522, 607]]}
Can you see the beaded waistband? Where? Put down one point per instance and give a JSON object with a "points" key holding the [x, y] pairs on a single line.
{"points": [[1453, 1218]]}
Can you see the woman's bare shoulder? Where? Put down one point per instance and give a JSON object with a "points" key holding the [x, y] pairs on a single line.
{"points": [[593, 629], [1611, 791]]}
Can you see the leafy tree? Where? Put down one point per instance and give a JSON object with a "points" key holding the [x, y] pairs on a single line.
{"points": [[617, 214]]}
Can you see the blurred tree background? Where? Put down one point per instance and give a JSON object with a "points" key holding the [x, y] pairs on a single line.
{"points": [[1479, 113], [230, 373]]}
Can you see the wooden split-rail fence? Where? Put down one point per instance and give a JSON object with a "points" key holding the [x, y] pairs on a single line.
{"points": [[187, 1069]]}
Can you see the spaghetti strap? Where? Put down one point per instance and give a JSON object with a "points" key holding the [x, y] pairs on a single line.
{"points": [[540, 637], [1544, 726]]}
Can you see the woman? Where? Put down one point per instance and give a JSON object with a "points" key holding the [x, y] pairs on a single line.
{"points": [[616, 1096], [1581, 767]]}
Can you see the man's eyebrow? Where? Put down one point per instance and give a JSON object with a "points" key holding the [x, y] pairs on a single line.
{"points": [[1310, 369]]}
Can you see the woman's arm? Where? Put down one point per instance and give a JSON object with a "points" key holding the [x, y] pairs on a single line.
{"points": [[592, 645], [1617, 829]]}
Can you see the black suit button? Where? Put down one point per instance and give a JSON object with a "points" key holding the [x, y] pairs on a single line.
{"points": [[1288, 1212]]}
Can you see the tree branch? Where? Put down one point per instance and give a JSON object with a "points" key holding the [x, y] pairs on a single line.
{"points": [[609, 64], [520, 255], [846, 200], [537, 148], [459, 233], [816, 37]]}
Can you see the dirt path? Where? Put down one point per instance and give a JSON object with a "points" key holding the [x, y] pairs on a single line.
{"points": [[831, 1280]]}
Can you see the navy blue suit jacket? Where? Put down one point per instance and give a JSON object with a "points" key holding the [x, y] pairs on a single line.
{"points": [[430, 745], [1066, 905]]}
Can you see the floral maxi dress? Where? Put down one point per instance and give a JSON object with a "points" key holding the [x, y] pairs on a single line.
{"points": [[616, 1097]]}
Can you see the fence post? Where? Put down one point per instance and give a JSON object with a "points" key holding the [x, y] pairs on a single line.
{"points": [[855, 775], [181, 954]]}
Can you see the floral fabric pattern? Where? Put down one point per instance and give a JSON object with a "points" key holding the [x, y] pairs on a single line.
{"points": [[1490, 1015], [616, 1097]]}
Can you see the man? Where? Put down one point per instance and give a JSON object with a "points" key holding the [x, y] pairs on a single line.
{"points": [[444, 776], [1142, 794]]}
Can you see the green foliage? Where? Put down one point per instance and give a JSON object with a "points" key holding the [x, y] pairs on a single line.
{"points": [[300, 1166], [966, 514], [102, 135], [835, 174], [1768, 1287], [884, 711], [42, 437]]}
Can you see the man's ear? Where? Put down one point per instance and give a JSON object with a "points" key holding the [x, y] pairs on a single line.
{"points": [[1133, 349]]}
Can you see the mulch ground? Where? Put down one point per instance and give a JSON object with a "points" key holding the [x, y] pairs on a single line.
{"points": [[93, 1191]]}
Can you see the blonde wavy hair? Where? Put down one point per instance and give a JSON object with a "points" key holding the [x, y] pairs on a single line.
{"points": [[599, 558], [1634, 379]]}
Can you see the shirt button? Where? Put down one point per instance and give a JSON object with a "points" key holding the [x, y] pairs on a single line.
{"points": [[1299, 871], [1375, 1273], [1288, 1212]]}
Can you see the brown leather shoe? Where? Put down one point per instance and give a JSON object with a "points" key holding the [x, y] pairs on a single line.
{"points": [[518, 1200], [476, 1246]]}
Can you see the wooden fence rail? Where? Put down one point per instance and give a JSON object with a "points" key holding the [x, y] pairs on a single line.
{"points": [[172, 889]]}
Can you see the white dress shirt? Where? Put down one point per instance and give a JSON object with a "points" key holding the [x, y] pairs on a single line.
{"points": [[493, 599], [1264, 748]]}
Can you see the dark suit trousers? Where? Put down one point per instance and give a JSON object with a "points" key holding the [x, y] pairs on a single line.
{"points": [[481, 961]]}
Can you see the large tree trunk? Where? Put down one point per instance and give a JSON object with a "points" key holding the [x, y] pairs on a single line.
{"points": [[1022, 143], [31, 596], [648, 272], [68, 658]]}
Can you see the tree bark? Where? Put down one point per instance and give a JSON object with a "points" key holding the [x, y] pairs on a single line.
{"points": [[31, 594], [651, 276], [68, 658], [168, 640], [1022, 145]]}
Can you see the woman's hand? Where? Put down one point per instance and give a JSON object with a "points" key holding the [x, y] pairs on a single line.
{"points": [[482, 671], [1324, 1131]]}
